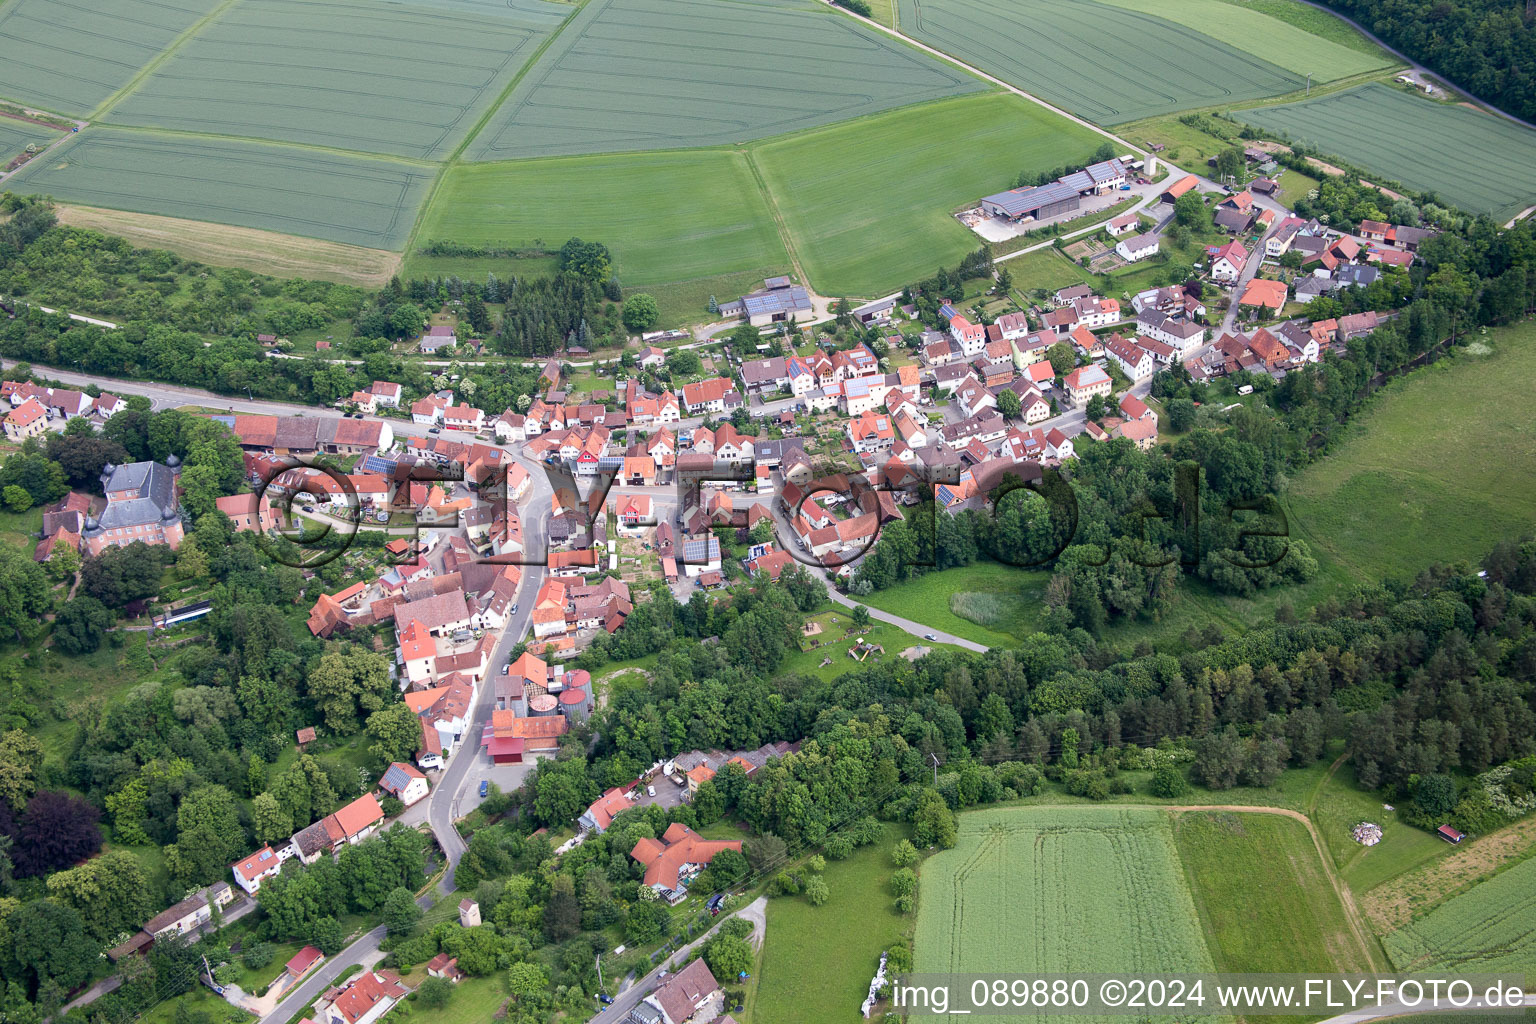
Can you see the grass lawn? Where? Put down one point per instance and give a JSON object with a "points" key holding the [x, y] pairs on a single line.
{"points": [[1046, 269], [666, 216], [867, 204], [1377, 506], [817, 961], [1341, 805], [1187, 145], [687, 301], [1263, 895], [835, 645], [1294, 185], [474, 999], [987, 602]]}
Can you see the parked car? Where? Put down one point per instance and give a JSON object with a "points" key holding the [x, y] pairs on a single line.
{"points": [[485, 786], [929, 636], [434, 430], [650, 790]]}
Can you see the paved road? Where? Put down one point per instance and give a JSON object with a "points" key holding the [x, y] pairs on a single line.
{"points": [[1396, 1009], [444, 800], [364, 951], [917, 629], [626, 1000]]}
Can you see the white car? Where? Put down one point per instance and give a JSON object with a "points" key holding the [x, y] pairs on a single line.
{"points": [[650, 790]]}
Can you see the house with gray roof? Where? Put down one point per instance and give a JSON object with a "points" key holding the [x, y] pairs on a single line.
{"points": [[141, 506]]}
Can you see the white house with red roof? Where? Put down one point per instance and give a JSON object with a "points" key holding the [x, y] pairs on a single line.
{"points": [[871, 432], [1228, 262], [972, 338], [1085, 382], [362, 1000], [264, 863], [404, 782], [1135, 361]]}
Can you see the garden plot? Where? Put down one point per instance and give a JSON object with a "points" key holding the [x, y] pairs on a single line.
{"points": [[657, 74], [302, 192], [70, 55], [1474, 160], [1106, 63], [397, 79]]}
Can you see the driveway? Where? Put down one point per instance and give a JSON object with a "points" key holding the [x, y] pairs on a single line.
{"points": [[629, 998]]}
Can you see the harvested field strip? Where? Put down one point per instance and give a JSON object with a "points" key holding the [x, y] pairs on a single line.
{"points": [[220, 245], [1101, 62], [661, 74], [345, 74], [69, 56], [666, 216], [1424, 144], [353, 200], [1491, 927], [1294, 49], [1393, 904]]}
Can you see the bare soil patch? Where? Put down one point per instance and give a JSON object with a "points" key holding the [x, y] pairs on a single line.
{"points": [[263, 252], [1393, 904]]}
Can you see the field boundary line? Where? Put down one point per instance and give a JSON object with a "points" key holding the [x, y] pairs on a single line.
{"points": [[456, 157], [249, 140], [1346, 898], [105, 107], [957, 62]]}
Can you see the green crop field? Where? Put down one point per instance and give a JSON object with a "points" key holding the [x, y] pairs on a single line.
{"points": [[1102, 62], [1255, 32], [16, 136], [397, 79], [867, 204], [666, 216], [1489, 928], [69, 57], [1060, 889], [1473, 160], [1375, 506], [1316, 21], [664, 74], [1263, 895], [344, 199]]}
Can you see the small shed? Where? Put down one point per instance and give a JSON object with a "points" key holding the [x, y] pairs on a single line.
{"points": [[305, 736], [1449, 834]]}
